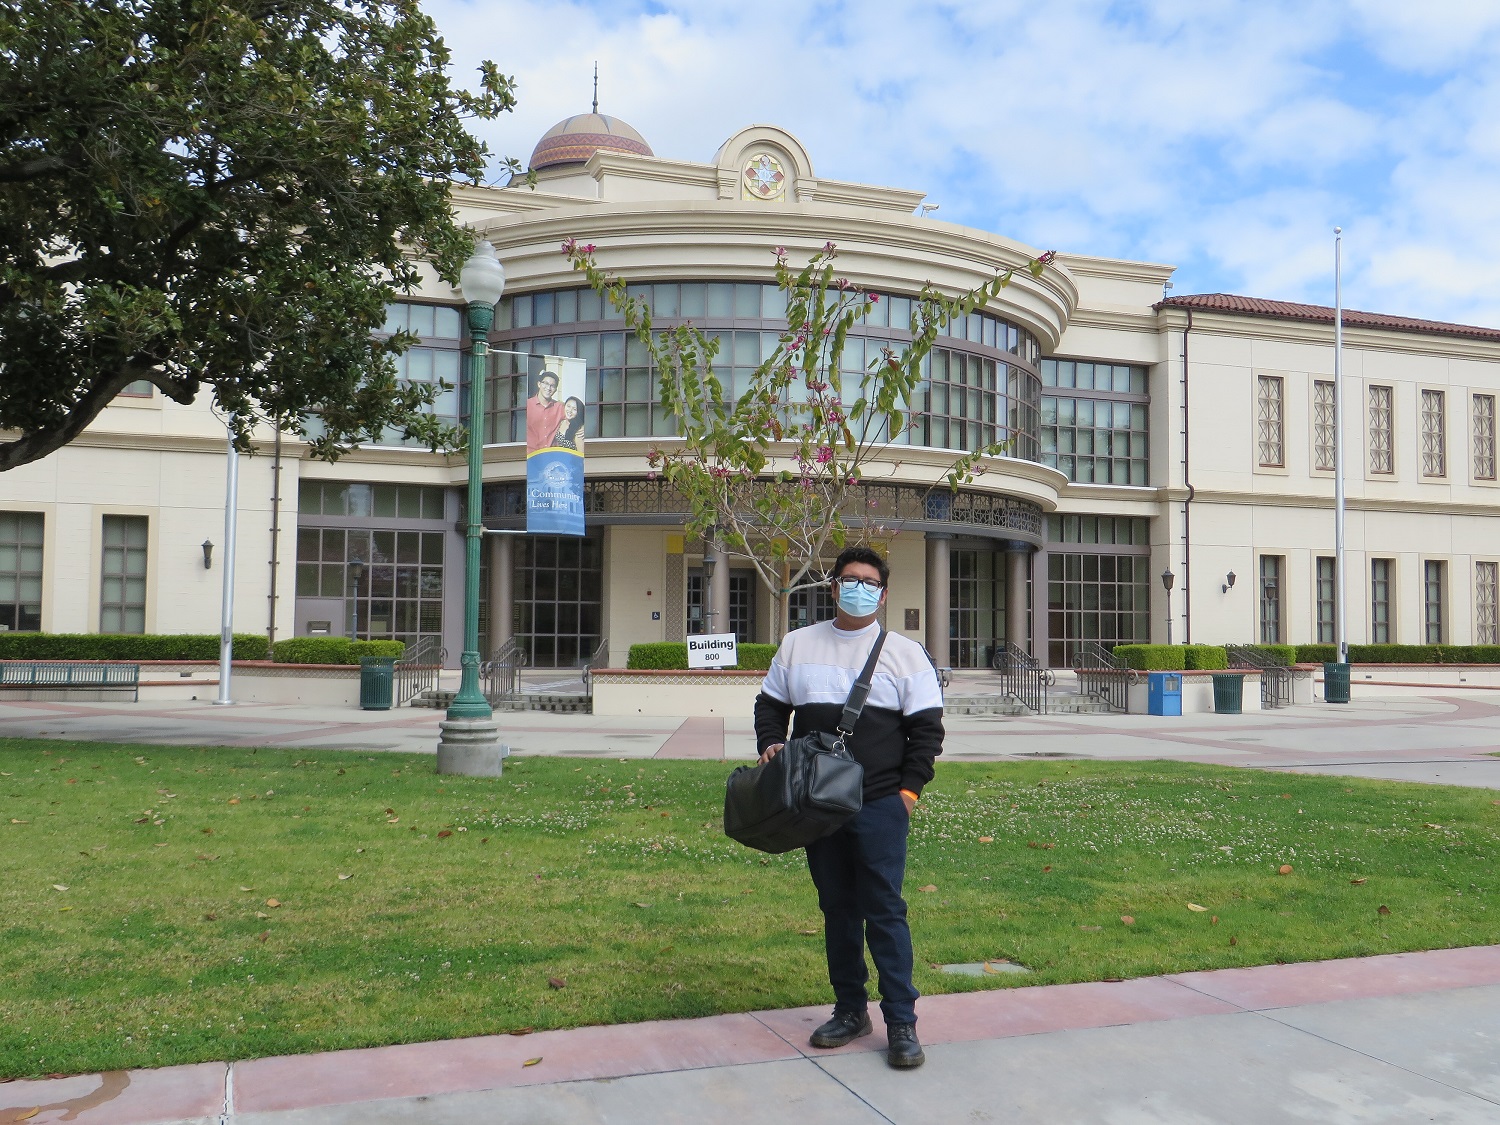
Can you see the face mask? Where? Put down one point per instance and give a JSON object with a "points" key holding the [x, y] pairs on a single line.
{"points": [[860, 601]]}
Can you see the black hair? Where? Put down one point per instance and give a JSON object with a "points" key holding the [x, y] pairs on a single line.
{"points": [[574, 427], [861, 555]]}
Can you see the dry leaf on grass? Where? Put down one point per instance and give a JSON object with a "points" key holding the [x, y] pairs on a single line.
{"points": [[343, 877], [261, 914], [556, 982], [1195, 908], [444, 834], [928, 889], [521, 1031], [986, 839], [1284, 869], [1357, 882], [1091, 929], [58, 887], [234, 800], [1382, 910], [1234, 941], [1127, 919], [273, 903]]}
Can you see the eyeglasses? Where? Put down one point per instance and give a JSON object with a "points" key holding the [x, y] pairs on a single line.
{"points": [[867, 583]]}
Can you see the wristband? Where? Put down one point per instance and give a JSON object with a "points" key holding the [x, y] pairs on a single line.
{"points": [[909, 793]]}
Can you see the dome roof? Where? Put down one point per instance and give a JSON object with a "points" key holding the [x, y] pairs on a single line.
{"points": [[575, 139]]}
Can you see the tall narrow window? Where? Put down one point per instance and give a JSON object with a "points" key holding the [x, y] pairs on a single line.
{"points": [[1382, 460], [1270, 599], [122, 600], [1484, 437], [1269, 411], [1486, 600], [21, 571], [1434, 436], [1327, 600], [1433, 583], [1380, 601], [1323, 424]]}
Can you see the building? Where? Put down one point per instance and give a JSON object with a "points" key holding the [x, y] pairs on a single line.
{"points": [[1192, 434]]}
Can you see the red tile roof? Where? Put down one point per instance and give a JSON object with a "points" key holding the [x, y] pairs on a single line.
{"points": [[1322, 314]]}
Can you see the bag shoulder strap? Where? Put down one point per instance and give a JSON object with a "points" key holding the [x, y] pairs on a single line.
{"points": [[861, 689]]}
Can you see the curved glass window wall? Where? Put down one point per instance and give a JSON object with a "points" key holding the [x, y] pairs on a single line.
{"points": [[982, 382]]}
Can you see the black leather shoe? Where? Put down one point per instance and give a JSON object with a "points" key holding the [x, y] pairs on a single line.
{"points": [[844, 1027], [904, 1051]]}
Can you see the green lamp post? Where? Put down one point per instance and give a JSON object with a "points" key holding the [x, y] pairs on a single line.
{"points": [[469, 742]]}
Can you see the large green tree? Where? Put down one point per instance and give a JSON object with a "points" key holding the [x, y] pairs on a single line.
{"points": [[223, 194]]}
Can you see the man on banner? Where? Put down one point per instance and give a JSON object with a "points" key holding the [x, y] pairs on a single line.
{"points": [[544, 413]]}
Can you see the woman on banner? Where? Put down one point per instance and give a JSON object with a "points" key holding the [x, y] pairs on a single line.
{"points": [[570, 431]]}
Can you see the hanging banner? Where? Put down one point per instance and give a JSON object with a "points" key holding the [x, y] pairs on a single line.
{"points": [[554, 447]]}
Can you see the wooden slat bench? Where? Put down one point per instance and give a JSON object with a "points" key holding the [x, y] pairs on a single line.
{"points": [[66, 680]]}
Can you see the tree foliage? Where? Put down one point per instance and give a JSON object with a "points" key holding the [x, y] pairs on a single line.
{"points": [[223, 194], [775, 475]]}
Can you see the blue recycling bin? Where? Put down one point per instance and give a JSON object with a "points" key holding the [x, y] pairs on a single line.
{"points": [[1163, 693]]}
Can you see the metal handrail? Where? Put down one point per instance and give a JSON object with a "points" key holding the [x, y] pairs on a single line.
{"points": [[594, 662], [1275, 677], [417, 668], [502, 672], [1022, 678], [1102, 676]]}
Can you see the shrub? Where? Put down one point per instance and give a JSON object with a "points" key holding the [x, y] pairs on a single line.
{"points": [[314, 650], [1205, 657], [1317, 654], [127, 646], [1153, 658], [1285, 655], [672, 655], [375, 648]]}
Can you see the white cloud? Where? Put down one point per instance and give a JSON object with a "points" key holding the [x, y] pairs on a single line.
{"points": [[1226, 135]]}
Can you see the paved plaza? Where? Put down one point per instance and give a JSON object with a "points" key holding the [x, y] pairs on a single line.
{"points": [[1394, 1039]]}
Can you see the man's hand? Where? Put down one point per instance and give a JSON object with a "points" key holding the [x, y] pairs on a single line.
{"points": [[769, 752]]}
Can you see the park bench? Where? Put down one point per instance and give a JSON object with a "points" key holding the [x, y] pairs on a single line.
{"points": [[58, 680]]}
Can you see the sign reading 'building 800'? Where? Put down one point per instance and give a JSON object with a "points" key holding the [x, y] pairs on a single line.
{"points": [[713, 650]]}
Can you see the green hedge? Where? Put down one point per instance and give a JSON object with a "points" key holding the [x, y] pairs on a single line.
{"points": [[1153, 658], [672, 656], [1402, 654], [1205, 658], [333, 650], [127, 646], [1285, 655]]}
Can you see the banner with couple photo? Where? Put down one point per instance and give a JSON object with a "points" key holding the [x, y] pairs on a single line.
{"points": [[554, 446]]}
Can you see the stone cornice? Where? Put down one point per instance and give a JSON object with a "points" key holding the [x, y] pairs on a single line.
{"points": [[1299, 332], [1269, 500]]}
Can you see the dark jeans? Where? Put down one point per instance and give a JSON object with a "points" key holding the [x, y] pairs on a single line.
{"points": [[858, 872]]}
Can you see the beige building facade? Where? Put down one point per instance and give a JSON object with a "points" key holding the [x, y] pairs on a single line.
{"points": [[1190, 435]]}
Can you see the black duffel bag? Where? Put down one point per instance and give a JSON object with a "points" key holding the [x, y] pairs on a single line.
{"points": [[810, 789]]}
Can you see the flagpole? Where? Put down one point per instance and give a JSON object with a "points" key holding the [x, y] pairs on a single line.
{"points": [[1340, 603]]}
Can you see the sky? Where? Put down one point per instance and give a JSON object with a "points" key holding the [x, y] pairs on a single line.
{"points": [[1225, 138]]}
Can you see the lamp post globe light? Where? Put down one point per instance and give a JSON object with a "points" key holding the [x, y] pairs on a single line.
{"points": [[470, 736]]}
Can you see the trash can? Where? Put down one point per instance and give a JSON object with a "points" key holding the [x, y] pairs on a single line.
{"points": [[1163, 693], [377, 676], [1229, 693], [1335, 683]]}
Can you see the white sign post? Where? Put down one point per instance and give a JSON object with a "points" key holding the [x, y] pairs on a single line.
{"points": [[713, 650]]}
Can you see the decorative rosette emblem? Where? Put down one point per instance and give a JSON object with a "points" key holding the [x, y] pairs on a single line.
{"points": [[764, 178]]}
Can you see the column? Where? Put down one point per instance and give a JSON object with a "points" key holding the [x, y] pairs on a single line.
{"points": [[938, 597], [502, 590], [1017, 570], [717, 595]]}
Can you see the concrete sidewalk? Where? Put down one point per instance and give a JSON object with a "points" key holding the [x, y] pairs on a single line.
{"points": [[1442, 735], [1395, 1039]]}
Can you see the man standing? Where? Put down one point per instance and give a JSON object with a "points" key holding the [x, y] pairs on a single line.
{"points": [[543, 413], [859, 869]]}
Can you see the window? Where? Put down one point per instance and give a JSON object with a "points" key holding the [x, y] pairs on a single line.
{"points": [[400, 588], [122, 599], [1103, 598], [141, 388], [1433, 587], [1270, 599], [1434, 438], [1096, 441], [1486, 599], [1484, 437], [1324, 425], [741, 606], [559, 597], [1380, 600], [21, 571], [808, 606], [337, 498], [976, 616], [1269, 411], [1327, 600], [1382, 459]]}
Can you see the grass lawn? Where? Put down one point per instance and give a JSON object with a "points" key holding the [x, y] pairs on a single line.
{"points": [[167, 905]]}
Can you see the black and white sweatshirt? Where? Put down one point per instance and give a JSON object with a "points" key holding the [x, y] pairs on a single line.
{"points": [[899, 732]]}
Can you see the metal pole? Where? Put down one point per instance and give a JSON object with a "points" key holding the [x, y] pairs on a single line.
{"points": [[1341, 615], [470, 702], [226, 608], [1169, 617]]}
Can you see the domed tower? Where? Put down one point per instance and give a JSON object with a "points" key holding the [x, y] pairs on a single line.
{"points": [[575, 139]]}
